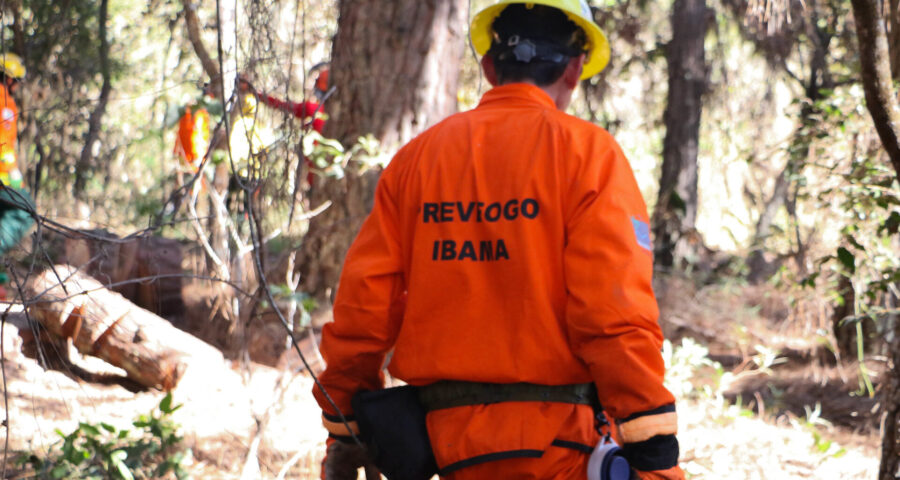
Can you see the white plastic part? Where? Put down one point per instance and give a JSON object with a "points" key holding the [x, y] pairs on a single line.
{"points": [[604, 464]]}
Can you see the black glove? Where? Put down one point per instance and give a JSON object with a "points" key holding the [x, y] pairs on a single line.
{"points": [[657, 453], [343, 458]]}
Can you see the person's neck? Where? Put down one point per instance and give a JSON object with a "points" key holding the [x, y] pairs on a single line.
{"points": [[557, 91]]}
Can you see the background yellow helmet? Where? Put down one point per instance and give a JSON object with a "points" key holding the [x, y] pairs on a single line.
{"points": [[12, 66], [577, 11], [248, 104]]}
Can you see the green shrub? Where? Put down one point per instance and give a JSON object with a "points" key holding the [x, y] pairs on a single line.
{"points": [[100, 451]]}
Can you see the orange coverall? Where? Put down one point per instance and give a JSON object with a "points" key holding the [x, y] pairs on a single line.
{"points": [[506, 244], [192, 141], [9, 114]]}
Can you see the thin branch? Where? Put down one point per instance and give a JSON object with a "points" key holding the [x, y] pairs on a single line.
{"points": [[6, 423], [192, 24], [264, 287]]}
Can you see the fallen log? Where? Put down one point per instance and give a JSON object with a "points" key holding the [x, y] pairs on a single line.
{"points": [[104, 324]]}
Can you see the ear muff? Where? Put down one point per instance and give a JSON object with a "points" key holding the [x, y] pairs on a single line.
{"points": [[607, 462]]}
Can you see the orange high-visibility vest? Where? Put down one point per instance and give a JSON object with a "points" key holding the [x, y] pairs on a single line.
{"points": [[192, 141], [9, 114], [506, 244]]}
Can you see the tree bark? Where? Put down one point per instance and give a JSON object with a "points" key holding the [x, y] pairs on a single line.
{"points": [[676, 208], [395, 69], [83, 166], [890, 441], [881, 100], [17, 28], [192, 24], [395, 66], [104, 324], [893, 24], [760, 268], [875, 67]]}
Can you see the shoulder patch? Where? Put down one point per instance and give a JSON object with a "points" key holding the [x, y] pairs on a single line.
{"points": [[642, 233]]}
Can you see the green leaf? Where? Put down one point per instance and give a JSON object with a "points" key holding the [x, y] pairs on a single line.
{"points": [[677, 203], [309, 303], [847, 259], [166, 404], [891, 225], [118, 460], [177, 458], [855, 244], [142, 421], [332, 144], [109, 428], [305, 318], [280, 290], [89, 429], [59, 471]]}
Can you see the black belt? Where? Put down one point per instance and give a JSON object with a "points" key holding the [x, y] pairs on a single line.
{"points": [[449, 394]]}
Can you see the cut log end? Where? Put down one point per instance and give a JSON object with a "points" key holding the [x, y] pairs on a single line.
{"points": [[104, 324]]}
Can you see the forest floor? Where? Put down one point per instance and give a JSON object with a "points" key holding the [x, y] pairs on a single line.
{"points": [[758, 398]]}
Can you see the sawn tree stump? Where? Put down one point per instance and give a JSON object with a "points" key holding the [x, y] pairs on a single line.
{"points": [[115, 261], [104, 324]]}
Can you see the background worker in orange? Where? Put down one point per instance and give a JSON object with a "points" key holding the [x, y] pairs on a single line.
{"points": [[309, 111], [193, 136], [11, 71], [15, 201], [510, 244]]}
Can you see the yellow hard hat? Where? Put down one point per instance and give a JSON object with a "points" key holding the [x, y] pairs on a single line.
{"points": [[11, 65], [248, 104], [577, 11]]}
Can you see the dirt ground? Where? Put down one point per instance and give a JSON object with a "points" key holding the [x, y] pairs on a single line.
{"points": [[247, 421]]}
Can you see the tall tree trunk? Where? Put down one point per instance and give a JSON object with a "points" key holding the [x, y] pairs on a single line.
{"points": [[395, 66], [875, 66], [395, 69], [881, 100], [676, 208], [83, 166]]}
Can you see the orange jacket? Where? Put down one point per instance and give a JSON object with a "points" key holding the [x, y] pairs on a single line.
{"points": [[506, 244], [9, 114], [192, 141]]}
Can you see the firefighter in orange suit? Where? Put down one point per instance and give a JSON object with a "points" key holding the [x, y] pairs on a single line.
{"points": [[193, 137], [510, 244], [192, 141], [16, 203], [11, 70]]}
